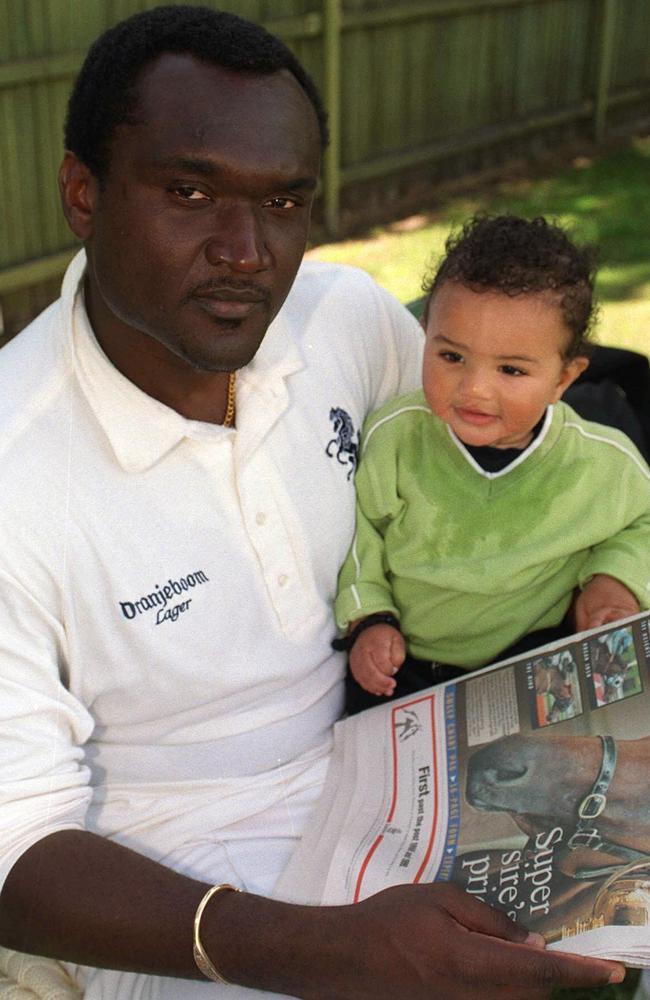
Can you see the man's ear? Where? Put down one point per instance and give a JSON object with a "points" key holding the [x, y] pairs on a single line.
{"points": [[570, 373], [78, 188]]}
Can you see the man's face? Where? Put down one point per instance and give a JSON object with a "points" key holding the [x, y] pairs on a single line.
{"points": [[200, 226]]}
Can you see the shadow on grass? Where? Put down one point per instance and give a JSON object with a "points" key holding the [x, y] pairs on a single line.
{"points": [[604, 201]]}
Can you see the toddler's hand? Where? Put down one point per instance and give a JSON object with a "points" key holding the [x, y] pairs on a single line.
{"points": [[377, 654], [603, 600]]}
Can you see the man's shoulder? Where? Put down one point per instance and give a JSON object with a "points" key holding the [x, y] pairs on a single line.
{"points": [[33, 370], [346, 294], [322, 275]]}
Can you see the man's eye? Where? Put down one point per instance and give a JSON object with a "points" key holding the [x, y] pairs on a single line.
{"points": [[511, 370], [189, 193], [451, 356], [280, 202]]}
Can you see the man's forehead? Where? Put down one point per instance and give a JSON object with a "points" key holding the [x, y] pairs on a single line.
{"points": [[191, 97], [262, 125]]}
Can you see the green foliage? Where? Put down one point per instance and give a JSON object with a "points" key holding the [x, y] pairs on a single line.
{"points": [[603, 201]]}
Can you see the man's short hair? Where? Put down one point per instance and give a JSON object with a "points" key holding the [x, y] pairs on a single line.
{"points": [[105, 92], [516, 256]]}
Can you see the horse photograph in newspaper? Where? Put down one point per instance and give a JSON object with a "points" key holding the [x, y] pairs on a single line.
{"points": [[613, 673], [556, 686], [593, 787], [581, 803]]}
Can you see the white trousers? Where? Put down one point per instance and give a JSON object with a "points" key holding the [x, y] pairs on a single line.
{"points": [[250, 854]]}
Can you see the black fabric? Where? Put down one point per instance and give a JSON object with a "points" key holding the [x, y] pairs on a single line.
{"points": [[493, 459], [543, 637], [414, 675], [615, 390]]}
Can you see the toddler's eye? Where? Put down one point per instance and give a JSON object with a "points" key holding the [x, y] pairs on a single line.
{"points": [[451, 356], [511, 370]]}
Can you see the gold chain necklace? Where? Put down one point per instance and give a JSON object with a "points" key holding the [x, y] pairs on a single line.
{"points": [[229, 419]]}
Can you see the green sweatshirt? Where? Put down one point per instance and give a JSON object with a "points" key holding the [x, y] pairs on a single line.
{"points": [[471, 561]]}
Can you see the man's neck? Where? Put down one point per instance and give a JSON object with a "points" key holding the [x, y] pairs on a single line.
{"points": [[195, 394]]}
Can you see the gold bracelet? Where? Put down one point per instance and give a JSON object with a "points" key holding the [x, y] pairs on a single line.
{"points": [[203, 963]]}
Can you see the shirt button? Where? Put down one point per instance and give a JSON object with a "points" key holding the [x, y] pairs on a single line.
{"points": [[260, 517], [283, 580]]}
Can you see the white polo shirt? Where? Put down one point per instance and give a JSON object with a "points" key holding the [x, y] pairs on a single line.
{"points": [[166, 585]]}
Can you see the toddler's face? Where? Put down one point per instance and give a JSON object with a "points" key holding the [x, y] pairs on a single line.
{"points": [[493, 363]]}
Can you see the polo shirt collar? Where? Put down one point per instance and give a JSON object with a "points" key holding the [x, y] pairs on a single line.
{"points": [[141, 429]]}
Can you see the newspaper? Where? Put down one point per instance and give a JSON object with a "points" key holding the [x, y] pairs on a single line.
{"points": [[527, 783]]}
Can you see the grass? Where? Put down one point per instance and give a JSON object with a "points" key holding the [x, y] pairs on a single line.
{"points": [[604, 201]]}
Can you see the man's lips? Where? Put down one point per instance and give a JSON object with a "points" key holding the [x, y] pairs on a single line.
{"points": [[230, 303]]}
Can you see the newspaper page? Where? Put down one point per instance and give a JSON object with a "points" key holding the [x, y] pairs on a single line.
{"points": [[527, 783]]}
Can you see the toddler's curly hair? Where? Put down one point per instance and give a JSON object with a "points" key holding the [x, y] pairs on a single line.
{"points": [[516, 256]]}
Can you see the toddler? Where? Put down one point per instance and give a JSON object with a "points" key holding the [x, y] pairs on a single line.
{"points": [[491, 518]]}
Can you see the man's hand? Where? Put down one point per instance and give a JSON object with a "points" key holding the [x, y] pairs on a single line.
{"points": [[603, 600], [423, 942], [376, 656], [78, 897]]}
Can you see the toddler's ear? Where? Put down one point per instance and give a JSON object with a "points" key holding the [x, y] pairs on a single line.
{"points": [[572, 369]]}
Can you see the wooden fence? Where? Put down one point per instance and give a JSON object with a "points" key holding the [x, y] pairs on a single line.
{"points": [[411, 86]]}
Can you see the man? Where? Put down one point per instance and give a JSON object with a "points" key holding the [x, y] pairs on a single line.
{"points": [[168, 686]]}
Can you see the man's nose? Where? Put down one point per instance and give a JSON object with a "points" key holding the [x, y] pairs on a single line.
{"points": [[238, 239]]}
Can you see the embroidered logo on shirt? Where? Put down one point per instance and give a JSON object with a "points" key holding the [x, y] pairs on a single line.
{"points": [[160, 597], [346, 443]]}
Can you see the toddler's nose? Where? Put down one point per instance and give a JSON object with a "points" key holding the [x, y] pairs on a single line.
{"points": [[476, 385]]}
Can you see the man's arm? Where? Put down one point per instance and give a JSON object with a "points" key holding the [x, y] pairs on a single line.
{"points": [[79, 897]]}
